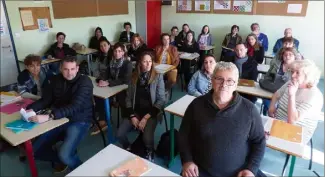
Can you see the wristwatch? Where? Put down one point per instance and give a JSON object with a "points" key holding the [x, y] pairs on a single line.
{"points": [[51, 116]]}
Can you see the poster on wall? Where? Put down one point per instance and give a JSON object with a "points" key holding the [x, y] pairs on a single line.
{"points": [[184, 5], [27, 17], [202, 5], [43, 25], [242, 5], [274, 1], [222, 5], [2, 29]]}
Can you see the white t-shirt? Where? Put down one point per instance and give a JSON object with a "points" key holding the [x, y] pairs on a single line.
{"points": [[309, 103], [164, 57]]}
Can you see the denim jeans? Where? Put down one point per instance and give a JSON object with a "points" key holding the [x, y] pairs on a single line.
{"points": [[266, 105], [66, 154], [148, 133]]}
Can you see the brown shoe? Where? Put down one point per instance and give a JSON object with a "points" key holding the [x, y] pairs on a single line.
{"points": [[60, 168], [95, 130]]}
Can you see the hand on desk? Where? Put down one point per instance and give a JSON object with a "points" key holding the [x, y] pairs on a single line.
{"points": [[102, 83], [190, 169], [245, 173], [39, 118], [50, 57]]}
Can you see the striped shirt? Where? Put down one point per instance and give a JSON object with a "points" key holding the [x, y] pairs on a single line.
{"points": [[309, 103]]}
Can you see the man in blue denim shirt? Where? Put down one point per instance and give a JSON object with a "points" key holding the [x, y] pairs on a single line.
{"points": [[262, 38], [279, 43]]}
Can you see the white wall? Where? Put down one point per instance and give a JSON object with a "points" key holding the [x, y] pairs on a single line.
{"points": [[308, 30], [77, 29]]}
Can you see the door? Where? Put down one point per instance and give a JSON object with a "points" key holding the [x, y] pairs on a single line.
{"points": [[9, 69]]}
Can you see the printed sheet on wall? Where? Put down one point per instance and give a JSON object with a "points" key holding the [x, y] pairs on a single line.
{"points": [[202, 5], [184, 5], [222, 5], [268, 1], [242, 5]]}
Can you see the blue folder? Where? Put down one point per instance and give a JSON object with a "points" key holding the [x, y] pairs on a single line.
{"points": [[20, 125]]}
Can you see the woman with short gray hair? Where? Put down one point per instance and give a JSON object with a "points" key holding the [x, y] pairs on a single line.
{"points": [[299, 99]]}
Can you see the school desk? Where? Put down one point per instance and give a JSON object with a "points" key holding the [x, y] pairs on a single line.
{"points": [[206, 48], [25, 137], [105, 93], [111, 158], [163, 68], [255, 91], [263, 68]]}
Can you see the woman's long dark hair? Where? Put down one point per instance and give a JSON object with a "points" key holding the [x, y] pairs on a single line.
{"points": [[137, 72], [102, 53]]}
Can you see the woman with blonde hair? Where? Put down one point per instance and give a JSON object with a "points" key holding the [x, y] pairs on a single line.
{"points": [[137, 47], [254, 48], [148, 98], [297, 101]]}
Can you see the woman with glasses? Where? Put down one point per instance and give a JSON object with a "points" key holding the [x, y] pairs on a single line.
{"points": [[299, 100], [200, 82]]}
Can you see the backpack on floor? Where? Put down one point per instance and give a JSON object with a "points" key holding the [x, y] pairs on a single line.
{"points": [[163, 148]]}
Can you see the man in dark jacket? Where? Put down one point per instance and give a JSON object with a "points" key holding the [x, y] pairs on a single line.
{"points": [[221, 133], [126, 35], [59, 50], [68, 95]]}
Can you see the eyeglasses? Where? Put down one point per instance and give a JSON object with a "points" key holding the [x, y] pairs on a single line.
{"points": [[220, 80]]}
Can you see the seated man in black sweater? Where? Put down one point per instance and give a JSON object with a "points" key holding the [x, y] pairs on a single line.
{"points": [[222, 133], [69, 95]]}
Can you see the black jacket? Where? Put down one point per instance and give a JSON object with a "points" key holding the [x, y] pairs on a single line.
{"points": [[180, 38], [194, 48], [259, 55], [222, 142], [94, 42], [71, 99], [134, 54], [249, 69], [54, 49], [124, 77], [124, 36]]}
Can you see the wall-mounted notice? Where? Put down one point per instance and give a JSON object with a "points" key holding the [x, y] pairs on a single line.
{"points": [[222, 5], [202, 5], [274, 1], [27, 17], [294, 8], [184, 5], [43, 25], [242, 5]]}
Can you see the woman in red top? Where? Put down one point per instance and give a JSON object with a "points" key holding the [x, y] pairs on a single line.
{"points": [[254, 48]]}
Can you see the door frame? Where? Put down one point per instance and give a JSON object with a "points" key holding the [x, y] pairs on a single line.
{"points": [[10, 34]]}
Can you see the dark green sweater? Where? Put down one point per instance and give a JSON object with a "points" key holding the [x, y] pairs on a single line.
{"points": [[222, 142]]}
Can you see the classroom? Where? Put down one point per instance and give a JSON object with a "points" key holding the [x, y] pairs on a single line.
{"points": [[162, 88]]}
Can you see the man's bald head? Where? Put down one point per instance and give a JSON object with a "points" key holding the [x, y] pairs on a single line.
{"points": [[288, 32]]}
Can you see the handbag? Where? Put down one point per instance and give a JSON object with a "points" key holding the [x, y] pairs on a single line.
{"points": [[274, 83]]}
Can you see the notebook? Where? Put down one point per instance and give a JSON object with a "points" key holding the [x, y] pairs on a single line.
{"points": [[20, 125], [246, 83], [133, 167], [286, 131], [15, 106]]}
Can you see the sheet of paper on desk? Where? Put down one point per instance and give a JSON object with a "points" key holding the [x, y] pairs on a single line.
{"points": [[162, 67], [286, 131], [8, 97], [15, 106], [185, 55]]}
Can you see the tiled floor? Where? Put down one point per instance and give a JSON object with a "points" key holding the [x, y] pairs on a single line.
{"points": [[272, 162]]}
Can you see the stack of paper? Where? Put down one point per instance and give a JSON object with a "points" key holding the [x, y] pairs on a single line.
{"points": [[8, 97], [133, 167]]}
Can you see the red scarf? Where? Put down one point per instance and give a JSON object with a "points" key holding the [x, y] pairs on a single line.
{"points": [[250, 51]]}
